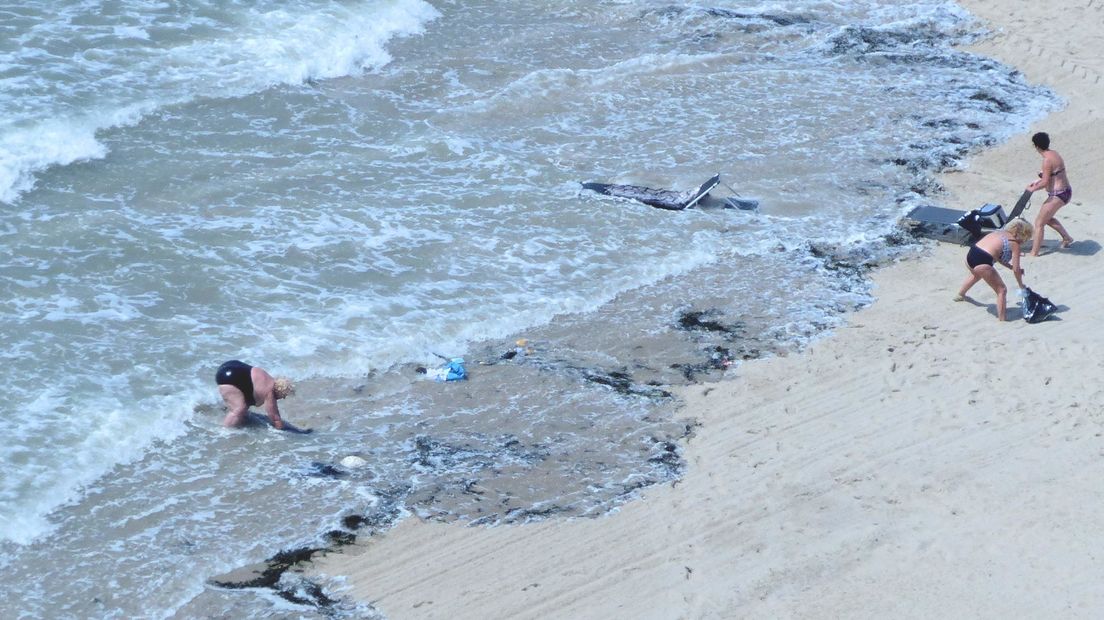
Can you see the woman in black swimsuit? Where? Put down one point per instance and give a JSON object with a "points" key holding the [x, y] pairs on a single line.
{"points": [[1053, 177], [243, 386]]}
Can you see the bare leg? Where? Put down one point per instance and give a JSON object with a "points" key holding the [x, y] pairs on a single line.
{"points": [[1067, 240], [1046, 218], [993, 279], [967, 284], [236, 409]]}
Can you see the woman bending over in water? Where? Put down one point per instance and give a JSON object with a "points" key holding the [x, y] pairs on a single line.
{"points": [[1001, 246], [1053, 177]]}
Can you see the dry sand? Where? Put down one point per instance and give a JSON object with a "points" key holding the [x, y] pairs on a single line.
{"points": [[926, 460]]}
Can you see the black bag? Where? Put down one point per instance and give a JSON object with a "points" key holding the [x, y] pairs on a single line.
{"points": [[975, 222], [971, 221], [1037, 308]]}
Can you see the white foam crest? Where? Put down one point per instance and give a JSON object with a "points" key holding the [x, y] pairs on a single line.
{"points": [[286, 47], [28, 151], [87, 440], [131, 32], [31, 147]]}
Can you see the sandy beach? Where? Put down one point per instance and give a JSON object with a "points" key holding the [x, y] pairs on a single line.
{"points": [[924, 460]]}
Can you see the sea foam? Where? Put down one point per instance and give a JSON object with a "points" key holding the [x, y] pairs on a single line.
{"points": [[54, 120]]}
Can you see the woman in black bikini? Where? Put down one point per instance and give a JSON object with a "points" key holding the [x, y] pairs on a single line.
{"points": [[1000, 246], [1053, 177]]}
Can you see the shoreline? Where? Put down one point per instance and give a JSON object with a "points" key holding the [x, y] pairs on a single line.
{"points": [[924, 459]]}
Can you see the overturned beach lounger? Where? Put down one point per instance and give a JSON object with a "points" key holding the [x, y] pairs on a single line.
{"points": [[667, 199], [955, 226]]}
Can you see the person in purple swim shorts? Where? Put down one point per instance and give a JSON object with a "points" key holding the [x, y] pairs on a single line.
{"points": [[1054, 179]]}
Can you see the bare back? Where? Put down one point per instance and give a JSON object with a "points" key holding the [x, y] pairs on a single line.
{"points": [[263, 385], [1054, 175], [994, 244]]}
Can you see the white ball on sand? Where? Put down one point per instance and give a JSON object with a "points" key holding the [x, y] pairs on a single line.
{"points": [[353, 462]]}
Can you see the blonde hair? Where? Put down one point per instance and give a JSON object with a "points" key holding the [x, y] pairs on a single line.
{"points": [[1019, 229], [283, 387]]}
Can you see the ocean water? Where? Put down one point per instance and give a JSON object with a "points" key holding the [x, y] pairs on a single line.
{"points": [[339, 190]]}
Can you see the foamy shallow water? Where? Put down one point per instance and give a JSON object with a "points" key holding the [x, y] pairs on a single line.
{"points": [[337, 190]]}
